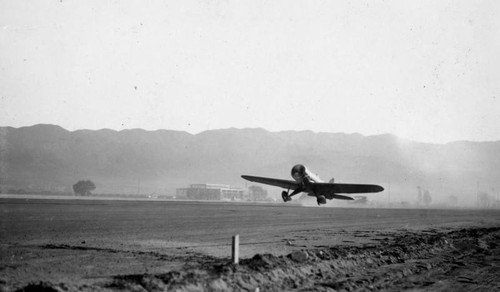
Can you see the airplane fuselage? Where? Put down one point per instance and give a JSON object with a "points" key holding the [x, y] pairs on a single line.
{"points": [[305, 177], [300, 173]]}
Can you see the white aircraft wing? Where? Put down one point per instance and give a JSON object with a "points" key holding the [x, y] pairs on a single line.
{"points": [[283, 183]]}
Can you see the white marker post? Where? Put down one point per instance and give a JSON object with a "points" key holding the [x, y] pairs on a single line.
{"points": [[236, 249]]}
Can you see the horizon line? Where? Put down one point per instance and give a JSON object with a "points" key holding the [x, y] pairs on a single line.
{"points": [[252, 128]]}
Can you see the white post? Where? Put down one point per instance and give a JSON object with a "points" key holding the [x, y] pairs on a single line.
{"points": [[236, 249]]}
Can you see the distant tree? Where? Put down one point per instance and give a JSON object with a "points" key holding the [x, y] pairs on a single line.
{"points": [[83, 187], [257, 193], [420, 196], [427, 198], [484, 200], [17, 191]]}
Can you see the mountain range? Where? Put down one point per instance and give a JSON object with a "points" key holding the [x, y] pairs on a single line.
{"points": [[139, 161]]}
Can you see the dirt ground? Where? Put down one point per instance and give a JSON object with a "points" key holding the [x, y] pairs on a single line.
{"points": [[69, 245]]}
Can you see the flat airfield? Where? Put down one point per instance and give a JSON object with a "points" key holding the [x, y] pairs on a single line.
{"points": [[85, 242]]}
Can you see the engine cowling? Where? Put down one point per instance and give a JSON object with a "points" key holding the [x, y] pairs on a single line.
{"points": [[321, 200], [298, 172]]}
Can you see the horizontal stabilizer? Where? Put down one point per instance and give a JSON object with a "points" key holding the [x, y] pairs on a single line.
{"points": [[339, 197]]}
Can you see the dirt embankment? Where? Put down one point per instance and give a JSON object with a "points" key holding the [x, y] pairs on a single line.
{"points": [[466, 259]]}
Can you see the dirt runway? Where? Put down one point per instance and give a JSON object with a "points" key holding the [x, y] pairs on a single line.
{"points": [[157, 245]]}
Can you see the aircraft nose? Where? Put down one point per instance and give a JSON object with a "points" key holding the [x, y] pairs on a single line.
{"points": [[298, 171]]}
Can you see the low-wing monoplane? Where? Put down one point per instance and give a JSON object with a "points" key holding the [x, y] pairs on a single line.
{"points": [[307, 182]]}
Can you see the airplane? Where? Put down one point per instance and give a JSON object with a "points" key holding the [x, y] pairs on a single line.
{"points": [[307, 182]]}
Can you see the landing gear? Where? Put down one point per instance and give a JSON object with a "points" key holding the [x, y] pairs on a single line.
{"points": [[288, 197], [321, 200], [285, 197]]}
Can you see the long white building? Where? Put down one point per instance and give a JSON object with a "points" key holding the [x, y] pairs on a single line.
{"points": [[212, 192]]}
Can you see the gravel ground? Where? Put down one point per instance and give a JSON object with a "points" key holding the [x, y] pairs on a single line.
{"points": [[88, 245]]}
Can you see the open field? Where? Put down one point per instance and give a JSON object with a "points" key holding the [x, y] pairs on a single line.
{"points": [[156, 245]]}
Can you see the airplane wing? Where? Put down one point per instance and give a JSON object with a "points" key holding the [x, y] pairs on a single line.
{"points": [[283, 183], [346, 188]]}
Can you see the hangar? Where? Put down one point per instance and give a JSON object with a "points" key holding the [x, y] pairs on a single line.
{"points": [[212, 192]]}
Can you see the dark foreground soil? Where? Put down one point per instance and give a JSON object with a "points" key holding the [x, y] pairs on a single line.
{"points": [[105, 245], [429, 260]]}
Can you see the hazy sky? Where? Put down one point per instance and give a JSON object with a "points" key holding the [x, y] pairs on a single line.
{"points": [[423, 70]]}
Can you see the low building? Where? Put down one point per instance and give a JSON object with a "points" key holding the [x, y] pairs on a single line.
{"points": [[212, 192]]}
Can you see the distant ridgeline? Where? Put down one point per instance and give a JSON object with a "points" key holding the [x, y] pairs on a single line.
{"points": [[50, 158]]}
